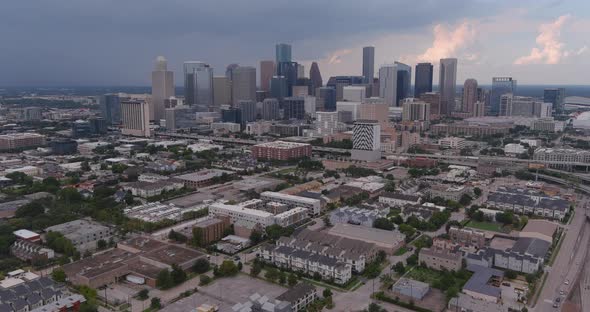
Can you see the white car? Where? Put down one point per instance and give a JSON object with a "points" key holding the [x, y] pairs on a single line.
{"points": [[567, 282]]}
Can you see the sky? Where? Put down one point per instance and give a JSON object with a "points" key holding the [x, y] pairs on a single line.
{"points": [[115, 43]]}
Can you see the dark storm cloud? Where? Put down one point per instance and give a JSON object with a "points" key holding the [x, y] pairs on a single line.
{"points": [[109, 42]]}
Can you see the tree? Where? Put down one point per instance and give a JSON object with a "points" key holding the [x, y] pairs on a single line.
{"points": [[201, 266], [384, 224], [177, 275], [373, 307], [164, 280], [390, 186], [465, 199], [204, 279], [399, 268], [292, 279], [510, 274], [406, 229], [477, 191], [327, 222], [505, 217], [228, 268], [255, 237], [143, 294], [198, 237], [282, 277], [59, 275], [412, 260], [327, 293], [101, 244], [271, 274], [256, 268], [155, 303]]}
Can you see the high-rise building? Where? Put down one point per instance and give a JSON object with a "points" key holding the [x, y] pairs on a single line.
{"points": [[432, 98], [310, 105], [198, 85], [339, 82], [524, 106], [447, 85], [415, 110], [404, 80], [110, 108], [278, 87], [500, 86], [315, 76], [261, 95], [221, 91], [375, 108], [135, 118], [289, 71], [231, 115], [326, 98], [366, 140], [479, 109], [394, 82], [162, 88], [354, 93], [283, 53], [469, 95], [555, 96], [180, 117], [423, 81], [248, 109], [304, 86], [294, 108], [229, 71], [270, 109], [368, 64], [243, 84], [267, 70], [300, 71]]}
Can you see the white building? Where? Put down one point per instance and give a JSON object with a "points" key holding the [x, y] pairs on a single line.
{"points": [[228, 126], [250, 218], [352, 107], [354, 93], [366, 140], [514, 149], [452, 142], [135, 118], [314, 205]]}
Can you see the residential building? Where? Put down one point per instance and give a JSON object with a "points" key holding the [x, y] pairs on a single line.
{"points": [[314, 205], [415, 110], [211, 229], [180, 117], [358, 216], [452, 143], [162, 88], [281, 150], [432, 98], [387, 241], [526, 256], [84, 234], [522, 201], [547, 125], [423, 80], [368, 64], [447, 83], [257, 302], [135, 118], [150, 189], [399, 199], [470, 129], [299, 296], [467, 237], [202, 178], [270, 109], [539, 229], [294, 108], [198, 85], [366, 140], [248, 111], [247, 217], [439, 259], [374, 108], [481, 284], [448, 192]]}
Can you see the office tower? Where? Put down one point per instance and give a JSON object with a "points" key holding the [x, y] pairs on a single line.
{"points": [[555, 96], [447, 84], [172, 102], [300, 90], [326, 123], [267, 70], [310, 104], [388, 84], [404, 79], [524, 106], [294, 108], [432, 98], [135, 118], [32, 113], [229, 70], [232, 115], [270, 109], [354, 93], [479, 109], [162, 88], [366, 140], [353, 107], [248, 109], [289, 71], [368, 64], [423, 81], [221, 91], [110, 108], [300, 71], [315, 76], [261, 95], [415, 110], [98, 125], [283, 53], [180, 117], [278, 87], [470, 95], [198, 85], [304, 86], [243, 84], [500, 86], [339, 82], [326, 98], [375, 108]]}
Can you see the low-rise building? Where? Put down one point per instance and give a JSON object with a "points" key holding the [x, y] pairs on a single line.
{"points": [[566, 155], [202, 178], [299, 296], [211, 229], [526, 256], [447, 192], [281, 150], [523, 201], [387, 241], [467, 237], [150, 189], [358, 216], [540, 229], [30, 251], [440, 259], [84, 234], [20, 141], [481, 284], [314, 205], [399, 199], [452, 142], [410, 288], [247, 217]]}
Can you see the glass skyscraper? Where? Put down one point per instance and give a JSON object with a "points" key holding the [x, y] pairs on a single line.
{"points": [[447, 85], [198, 85], [423, 82], [555, 96], [110, 108], [289, 71], [500, 86], [369, 64], [283, 53], [404, 79]]}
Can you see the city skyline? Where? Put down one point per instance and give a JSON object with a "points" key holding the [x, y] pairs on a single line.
{"points": [[547, 40]]}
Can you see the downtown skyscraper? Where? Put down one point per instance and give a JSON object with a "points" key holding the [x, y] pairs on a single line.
{"points": [[500, 86], [369, 64], [243, 84], [315, 76], [267, 70], [282, 53], [198, 85], [423, 80], [469, 96], [162, 88], [447, 85], [394, 82]]}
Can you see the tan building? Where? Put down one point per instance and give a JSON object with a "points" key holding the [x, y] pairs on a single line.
{"points": [[212, 229], [467, 237], [135, 118], [540, 229], [439, 259], [221, 91], [18, 141], [374, 109]]}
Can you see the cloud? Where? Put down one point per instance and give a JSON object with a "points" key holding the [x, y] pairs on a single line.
{"points": [[336, 57], [449, 42], [550, 49]]}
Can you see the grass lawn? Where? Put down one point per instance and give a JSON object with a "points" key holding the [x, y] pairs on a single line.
{"points": [[401, 251], [423, 275], [486, 226]]}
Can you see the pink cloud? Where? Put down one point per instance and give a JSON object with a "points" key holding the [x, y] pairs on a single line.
{"points": [[336, 57], [448, 42], [550, 49]]}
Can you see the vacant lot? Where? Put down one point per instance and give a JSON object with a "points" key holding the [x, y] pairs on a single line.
{"points": [[486, 226]]}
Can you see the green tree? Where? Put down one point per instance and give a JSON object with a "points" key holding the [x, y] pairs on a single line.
{"points": [[228, 268], [59, 275], [177, 275], [384, 224], [292, 279], [271, 274], [255, 237], [282, 277], [101, 244], [477, 191], [201, 266], [327, 293], [156, 304], [143, 294], [399, 268], [164, 280], [204, 279]]}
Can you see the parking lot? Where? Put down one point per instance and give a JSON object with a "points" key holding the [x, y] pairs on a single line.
{"points": [[225, 293]]}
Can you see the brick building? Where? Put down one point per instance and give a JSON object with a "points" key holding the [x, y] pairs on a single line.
{"points": [[281, 150]]}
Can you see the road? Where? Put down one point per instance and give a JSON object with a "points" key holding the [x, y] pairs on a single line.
{"points": [[569, 261]]}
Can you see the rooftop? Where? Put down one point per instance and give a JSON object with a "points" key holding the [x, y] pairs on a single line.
{"points": [[370, 235], [281, 144], [480, 279], [203, 175]]}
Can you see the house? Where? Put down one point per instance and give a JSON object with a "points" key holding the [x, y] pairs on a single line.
{"points": [[299, 296], [399, 199], [439, 259]]}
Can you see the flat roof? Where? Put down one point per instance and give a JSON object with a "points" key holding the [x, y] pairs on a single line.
{"points": [[371, 235], [26, 234], [281, 144], [203, 175], [172, 254], [540, 226]]}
